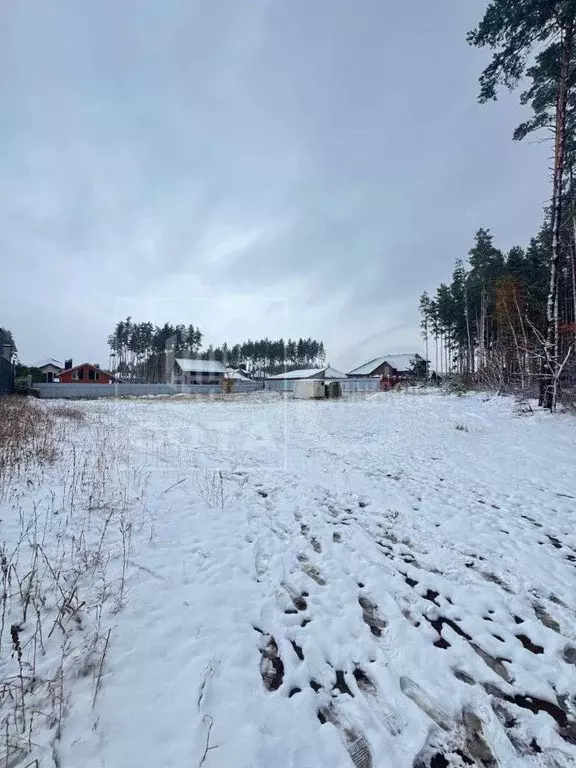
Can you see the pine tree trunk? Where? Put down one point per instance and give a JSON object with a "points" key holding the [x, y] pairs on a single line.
{"points": [[482, 331], [470, 352], [549, 394], [573, 265], [426, 342]]}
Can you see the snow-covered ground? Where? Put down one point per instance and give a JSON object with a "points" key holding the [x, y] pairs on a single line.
{"points": [[386, 581]]}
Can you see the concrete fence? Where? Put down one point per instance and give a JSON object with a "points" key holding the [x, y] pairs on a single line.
{"points": [[348, 385], [75, 391]]}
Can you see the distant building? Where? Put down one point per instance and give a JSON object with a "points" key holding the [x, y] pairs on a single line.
{"points": [[309, 373], [49, 367], [388, 366], [87, 373], [237, 374], [198, 371]]}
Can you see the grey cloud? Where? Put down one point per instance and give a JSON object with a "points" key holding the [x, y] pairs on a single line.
{"points": [[329, 154]]}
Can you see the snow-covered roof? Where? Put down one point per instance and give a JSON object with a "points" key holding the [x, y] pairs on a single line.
{"points": [[234, 373], [311, 373], [398, 362], [200, 366], [303, 373], [47, 361], [333, 373]]}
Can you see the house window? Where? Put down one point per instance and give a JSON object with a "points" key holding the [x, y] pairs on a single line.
{"points": [[75, 376], [91, 374], [81, 373]]}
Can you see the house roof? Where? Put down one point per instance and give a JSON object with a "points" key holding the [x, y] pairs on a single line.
{"points": [[47, 361], [303, 373], [333, 373], [398, 362], [200, 366], [236, 374], [90, 365], [311, 373]]}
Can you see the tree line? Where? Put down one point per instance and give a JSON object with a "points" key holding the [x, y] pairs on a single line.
{"points": [[138, 350], [143, 351], [269, 356], [490, 320], [513, 315]]}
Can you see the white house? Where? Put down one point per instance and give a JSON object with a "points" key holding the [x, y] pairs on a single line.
{"points": [[50, 368]]}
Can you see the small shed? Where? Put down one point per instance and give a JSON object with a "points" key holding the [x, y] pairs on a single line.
{"points": [[198, 371]]}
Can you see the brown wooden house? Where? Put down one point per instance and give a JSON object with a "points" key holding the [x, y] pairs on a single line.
{"points": [[86, 373]]}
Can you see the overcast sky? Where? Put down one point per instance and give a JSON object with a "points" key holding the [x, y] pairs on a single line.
{"points": [[254, 167]]}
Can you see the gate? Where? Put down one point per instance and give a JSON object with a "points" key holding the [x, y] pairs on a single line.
{"points": [[6, 375]]}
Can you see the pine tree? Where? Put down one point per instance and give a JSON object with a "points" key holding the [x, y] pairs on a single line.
{"points": [[513, 30], [425, 323], [6, 337], [463, 338]]}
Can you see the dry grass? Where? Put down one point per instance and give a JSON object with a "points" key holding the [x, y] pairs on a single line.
{"points": [[68, 511], [28, 437], [68, 412], [568, 399]]}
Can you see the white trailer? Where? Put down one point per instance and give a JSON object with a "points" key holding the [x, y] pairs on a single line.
{"points": [[309, 389]]}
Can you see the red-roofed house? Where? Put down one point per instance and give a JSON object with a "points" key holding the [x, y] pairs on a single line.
{"points": [[86, 373]]}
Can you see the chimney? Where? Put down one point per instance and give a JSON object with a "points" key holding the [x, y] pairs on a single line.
{"points": [[67, 364], [96, 365]]}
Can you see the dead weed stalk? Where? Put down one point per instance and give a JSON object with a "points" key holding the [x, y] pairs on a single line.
{"points": [[68, 512]]}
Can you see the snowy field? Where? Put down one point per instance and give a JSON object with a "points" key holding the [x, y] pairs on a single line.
{"points": [[384, 581]]}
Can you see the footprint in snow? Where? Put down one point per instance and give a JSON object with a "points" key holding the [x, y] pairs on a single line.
{"points": [[354, 740], [298, 600], [271, 666], [463, 746], [368, 687], [316, 546], [311, 570], [371, 616], [566, 726], [496, 580], [544, 617], [416, 694], [477, 745]]}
